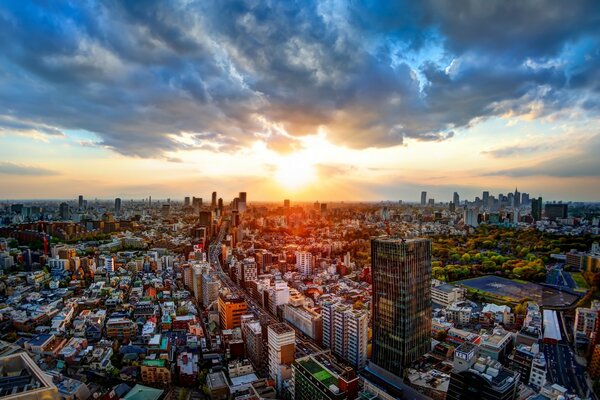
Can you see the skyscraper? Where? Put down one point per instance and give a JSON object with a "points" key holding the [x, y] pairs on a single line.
{"points": [[186, 201], [117, 206], [423, 198], [486, 199], [286, 203], [456, 199], [517, 199], [242, 202], [401, 271], [536, 209], [213, 202], [80, 202], [63, 211]]}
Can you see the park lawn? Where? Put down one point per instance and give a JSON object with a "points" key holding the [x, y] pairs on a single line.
{"points": [[578, 278]]}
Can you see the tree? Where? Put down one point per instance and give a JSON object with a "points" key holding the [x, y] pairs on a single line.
{"points": [[441, 336]]}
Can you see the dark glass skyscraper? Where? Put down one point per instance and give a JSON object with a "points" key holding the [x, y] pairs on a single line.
{"points": [[117, 206], [401, 271]]}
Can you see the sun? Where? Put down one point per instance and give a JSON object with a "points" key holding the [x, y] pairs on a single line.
{"points": [[294, 172]]}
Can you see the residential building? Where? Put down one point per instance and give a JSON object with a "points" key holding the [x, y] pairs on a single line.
{"points": [[304, 263], [155, 372]]}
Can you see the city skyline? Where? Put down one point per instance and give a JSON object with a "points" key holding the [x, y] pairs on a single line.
{"points": [[361, 101]]}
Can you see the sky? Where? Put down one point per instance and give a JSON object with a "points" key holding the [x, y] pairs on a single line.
{"points": [[308, 100]]}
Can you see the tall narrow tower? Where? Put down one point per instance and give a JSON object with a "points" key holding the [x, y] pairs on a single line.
{"points": [[401, 271]]}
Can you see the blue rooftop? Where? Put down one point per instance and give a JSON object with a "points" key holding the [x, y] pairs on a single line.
{"points": [[39, 340]]}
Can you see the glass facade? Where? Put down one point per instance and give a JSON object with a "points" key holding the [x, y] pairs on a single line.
{"points": [[401, 271]]}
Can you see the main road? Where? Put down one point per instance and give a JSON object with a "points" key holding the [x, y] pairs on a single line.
{"points": [[304, 344], [562, 365]]}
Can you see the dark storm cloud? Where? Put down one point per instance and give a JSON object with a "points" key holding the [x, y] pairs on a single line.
{"points": [[9, 168], [144, 76]]}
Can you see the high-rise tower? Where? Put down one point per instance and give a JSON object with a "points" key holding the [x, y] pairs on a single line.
{"points": [[401, 271]]}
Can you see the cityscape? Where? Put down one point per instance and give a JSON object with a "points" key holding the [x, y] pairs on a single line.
{"points": [[300, 200]]}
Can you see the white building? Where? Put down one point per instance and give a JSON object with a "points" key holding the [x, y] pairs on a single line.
{"points": [[109, 264], [345, 332], [585, 321], [282, 347], [445, 294], [304, 263]]}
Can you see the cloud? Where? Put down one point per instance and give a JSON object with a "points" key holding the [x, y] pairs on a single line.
{"points": [[584, 162], [9, 168], [144, 76], [514, 151]]}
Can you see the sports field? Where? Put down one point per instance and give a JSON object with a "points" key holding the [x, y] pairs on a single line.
{"points": [[517, 290]]}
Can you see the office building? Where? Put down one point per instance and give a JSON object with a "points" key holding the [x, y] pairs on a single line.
{"points": [[307, 320], [401, 273], [117, 206], [231, 309], [80, 202], [475, 377], [446, 294], [320, 377], [556, 211], [536, 209], [213, 200], [242, 202], [304, 263], [423, 198], [516, 199], [486, 199], [286, 203], [63, 211], [456, 199], [281, 339]]}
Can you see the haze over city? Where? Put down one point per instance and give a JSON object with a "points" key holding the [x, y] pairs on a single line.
{"points": [[315, 99], [300, 200]]}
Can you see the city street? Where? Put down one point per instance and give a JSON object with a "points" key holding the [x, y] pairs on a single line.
{"points": [[304, 344], [563, 367]]}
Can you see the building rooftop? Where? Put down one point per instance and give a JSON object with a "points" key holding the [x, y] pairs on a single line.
{"points": [[141, 392], [216, 380], [318, 371], [154, 363], [444, 287], [281, 328]]}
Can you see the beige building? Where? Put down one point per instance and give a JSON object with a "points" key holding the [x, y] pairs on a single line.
{"points": [[26, 379]]}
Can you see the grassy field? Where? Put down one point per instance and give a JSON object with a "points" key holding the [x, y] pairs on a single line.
{"points": [[578, 278]]}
